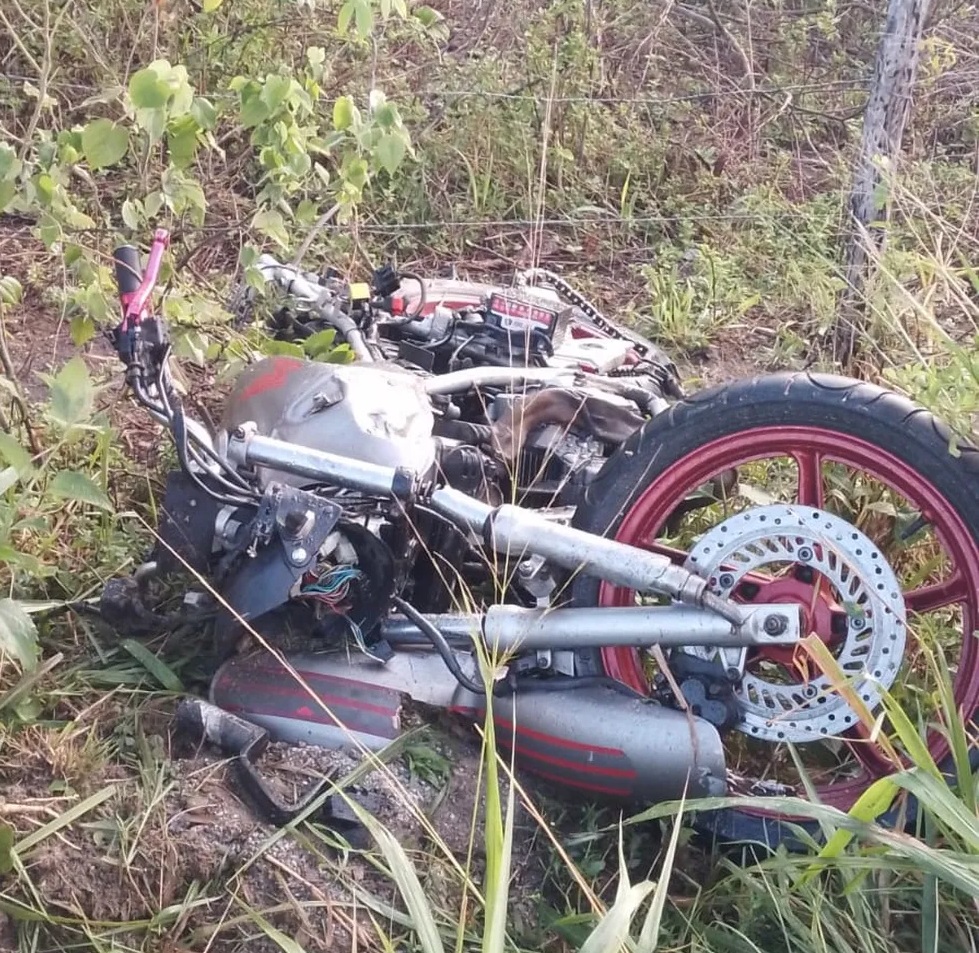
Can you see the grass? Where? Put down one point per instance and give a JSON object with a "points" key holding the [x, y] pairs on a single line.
{"points": [[720, 235]]}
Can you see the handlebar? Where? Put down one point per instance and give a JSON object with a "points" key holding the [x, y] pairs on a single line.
{"points": [[291, 280], [320, 299], [129, 271], [135, 287]]}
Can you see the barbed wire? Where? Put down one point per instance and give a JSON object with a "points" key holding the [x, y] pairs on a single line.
{"points": [[857, 85], [448, 223], [853, 84]]}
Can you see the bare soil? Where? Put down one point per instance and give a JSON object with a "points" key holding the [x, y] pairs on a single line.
{"points": [[183, 820]]}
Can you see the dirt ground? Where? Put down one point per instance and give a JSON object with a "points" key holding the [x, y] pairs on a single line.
{"points": [[197, 826]]}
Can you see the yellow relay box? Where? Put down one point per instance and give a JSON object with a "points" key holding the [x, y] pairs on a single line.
{"points": [[360, 291]]}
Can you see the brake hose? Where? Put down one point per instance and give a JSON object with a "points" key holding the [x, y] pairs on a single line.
{"points": [[438, 640], [422, 291]]}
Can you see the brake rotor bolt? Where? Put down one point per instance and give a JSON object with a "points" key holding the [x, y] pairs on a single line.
{"points": [[726, 580], [299, 555], [776, 624], [857, 622], [805, 554], [809, 691]]}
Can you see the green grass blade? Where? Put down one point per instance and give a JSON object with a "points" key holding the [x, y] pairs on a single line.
{"points": [[936, 798], [909, 736], [63, 820], [406, 878], [162, 672], [26, 684], [868, 807], [958, 868], [955, 726], [929, 901], [649, 936], [497, 891], [612, 931]]}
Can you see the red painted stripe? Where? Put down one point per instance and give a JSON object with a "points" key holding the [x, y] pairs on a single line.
{"points": [[573, 782], [278, 373], [572, 765], [560, 742], [300, 693], [281, 672], [320, 718]]}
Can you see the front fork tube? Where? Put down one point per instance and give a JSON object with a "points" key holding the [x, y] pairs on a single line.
{"points": [[509, 530]]}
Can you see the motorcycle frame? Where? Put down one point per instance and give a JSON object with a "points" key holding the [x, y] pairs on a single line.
{"points": [[702, 618]]}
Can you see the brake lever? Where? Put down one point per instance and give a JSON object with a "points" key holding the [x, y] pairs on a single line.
{"points": [[141, 338]]}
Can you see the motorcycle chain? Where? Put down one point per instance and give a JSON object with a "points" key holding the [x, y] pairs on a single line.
{"points": [[669, 378]]}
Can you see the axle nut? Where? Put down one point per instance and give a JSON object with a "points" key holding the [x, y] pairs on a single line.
{"points": [[776, 624]]}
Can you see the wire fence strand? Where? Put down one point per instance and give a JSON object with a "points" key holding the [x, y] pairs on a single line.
{"points": [[239, 225], [855, 85]]}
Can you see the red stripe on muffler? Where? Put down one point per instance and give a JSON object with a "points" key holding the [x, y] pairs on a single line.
{"points": [[270, 690], [576, 783], [280, 672], [300, 694], [560, 742], [526, 752]]}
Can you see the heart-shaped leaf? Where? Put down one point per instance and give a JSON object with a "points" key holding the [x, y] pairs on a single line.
{"points": [[72, 485], [18, 634], [104, 143]]}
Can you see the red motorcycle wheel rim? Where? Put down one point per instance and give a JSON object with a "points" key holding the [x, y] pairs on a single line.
{"points": [[649, 512]]}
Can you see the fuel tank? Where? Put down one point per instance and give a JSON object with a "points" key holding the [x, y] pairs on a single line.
{"points": [[375, 412]]}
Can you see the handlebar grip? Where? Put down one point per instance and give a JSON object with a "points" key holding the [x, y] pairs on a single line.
{"points": [[129, 270]]}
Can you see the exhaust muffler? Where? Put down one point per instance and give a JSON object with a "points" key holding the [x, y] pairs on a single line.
{"points": [[593, 739]]}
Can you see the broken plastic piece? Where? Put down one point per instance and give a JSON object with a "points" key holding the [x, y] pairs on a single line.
{"points": [[246, 742]]}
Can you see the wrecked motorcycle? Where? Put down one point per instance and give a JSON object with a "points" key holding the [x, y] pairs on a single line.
{"points": [[750, 568], [444, 324]]}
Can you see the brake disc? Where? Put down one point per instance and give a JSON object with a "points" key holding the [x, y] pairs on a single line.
{"points": [[856, 578]]}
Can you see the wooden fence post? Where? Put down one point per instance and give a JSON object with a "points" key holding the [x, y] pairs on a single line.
{"points": [[886, 115]]}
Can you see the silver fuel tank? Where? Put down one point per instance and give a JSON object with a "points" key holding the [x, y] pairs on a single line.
{"points": [[376, 412]]}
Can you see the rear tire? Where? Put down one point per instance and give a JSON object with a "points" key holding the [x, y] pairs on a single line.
{"points": [[860, 419]]}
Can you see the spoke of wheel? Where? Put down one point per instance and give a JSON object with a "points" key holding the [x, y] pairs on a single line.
{"points": [[810, 463], [679, 557], [948, 592]]}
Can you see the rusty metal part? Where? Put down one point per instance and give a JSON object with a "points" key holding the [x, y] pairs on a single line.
{"points": [[610, 420]]}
